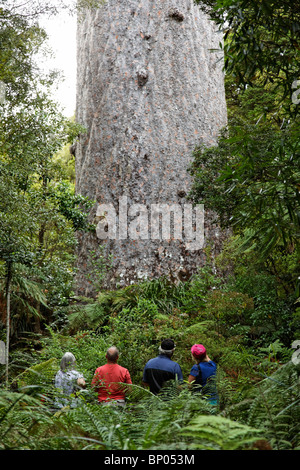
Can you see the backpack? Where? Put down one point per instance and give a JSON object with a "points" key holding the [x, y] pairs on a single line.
{"points": [[197, 386], [208, 388]]}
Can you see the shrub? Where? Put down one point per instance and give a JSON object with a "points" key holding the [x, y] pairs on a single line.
{"points": [[229, 309]]}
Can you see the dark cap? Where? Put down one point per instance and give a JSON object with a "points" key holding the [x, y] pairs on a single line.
{"points": [[167, 345]]}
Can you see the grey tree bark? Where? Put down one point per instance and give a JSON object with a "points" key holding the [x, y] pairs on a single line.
{"points": [[148, 91]]}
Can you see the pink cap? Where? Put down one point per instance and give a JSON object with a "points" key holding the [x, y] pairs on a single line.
{"points": [[198, 350]]}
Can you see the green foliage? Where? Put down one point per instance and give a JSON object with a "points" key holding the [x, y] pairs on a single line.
{"points": [[218, 433], [259, 102], [19, 40], [261, 39], [229, 309], [39, 211], [27, 298], [100, 264], [39, 375], [273, 312], [64, 163], [274, 408], [247, 321], [252, 413], [249, 179], [92, 315], [71, 206], [166, 298], [88, 348], [21, 416], [130, 328], [274, 354]]}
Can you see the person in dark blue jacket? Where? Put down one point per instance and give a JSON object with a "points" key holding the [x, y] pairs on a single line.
{"points": [[160, 369], [203, 374]]}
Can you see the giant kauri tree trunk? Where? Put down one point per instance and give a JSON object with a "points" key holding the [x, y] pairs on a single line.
{"points": [[148, 91]]}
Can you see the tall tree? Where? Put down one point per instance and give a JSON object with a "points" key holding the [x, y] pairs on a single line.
{"points": [[149, 90]]}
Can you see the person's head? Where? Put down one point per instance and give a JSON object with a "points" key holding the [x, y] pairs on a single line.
{"points": [[67, 362], [167, 347], [198, 352], [112, 354]]}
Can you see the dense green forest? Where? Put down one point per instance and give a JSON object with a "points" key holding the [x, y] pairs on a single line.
{"points": [[243, 306]]}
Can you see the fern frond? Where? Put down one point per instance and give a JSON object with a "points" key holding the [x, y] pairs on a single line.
{"points": [[276, 407], [42, 373], [89, 316], [218, 433]]}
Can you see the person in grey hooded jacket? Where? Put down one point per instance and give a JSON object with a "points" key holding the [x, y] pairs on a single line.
{"points": [[68, 380]]}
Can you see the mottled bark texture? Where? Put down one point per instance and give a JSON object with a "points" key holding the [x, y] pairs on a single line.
{"points": [[149, 90]]}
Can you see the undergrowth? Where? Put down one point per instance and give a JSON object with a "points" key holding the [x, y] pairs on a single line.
{"points": [[257, 381]]}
